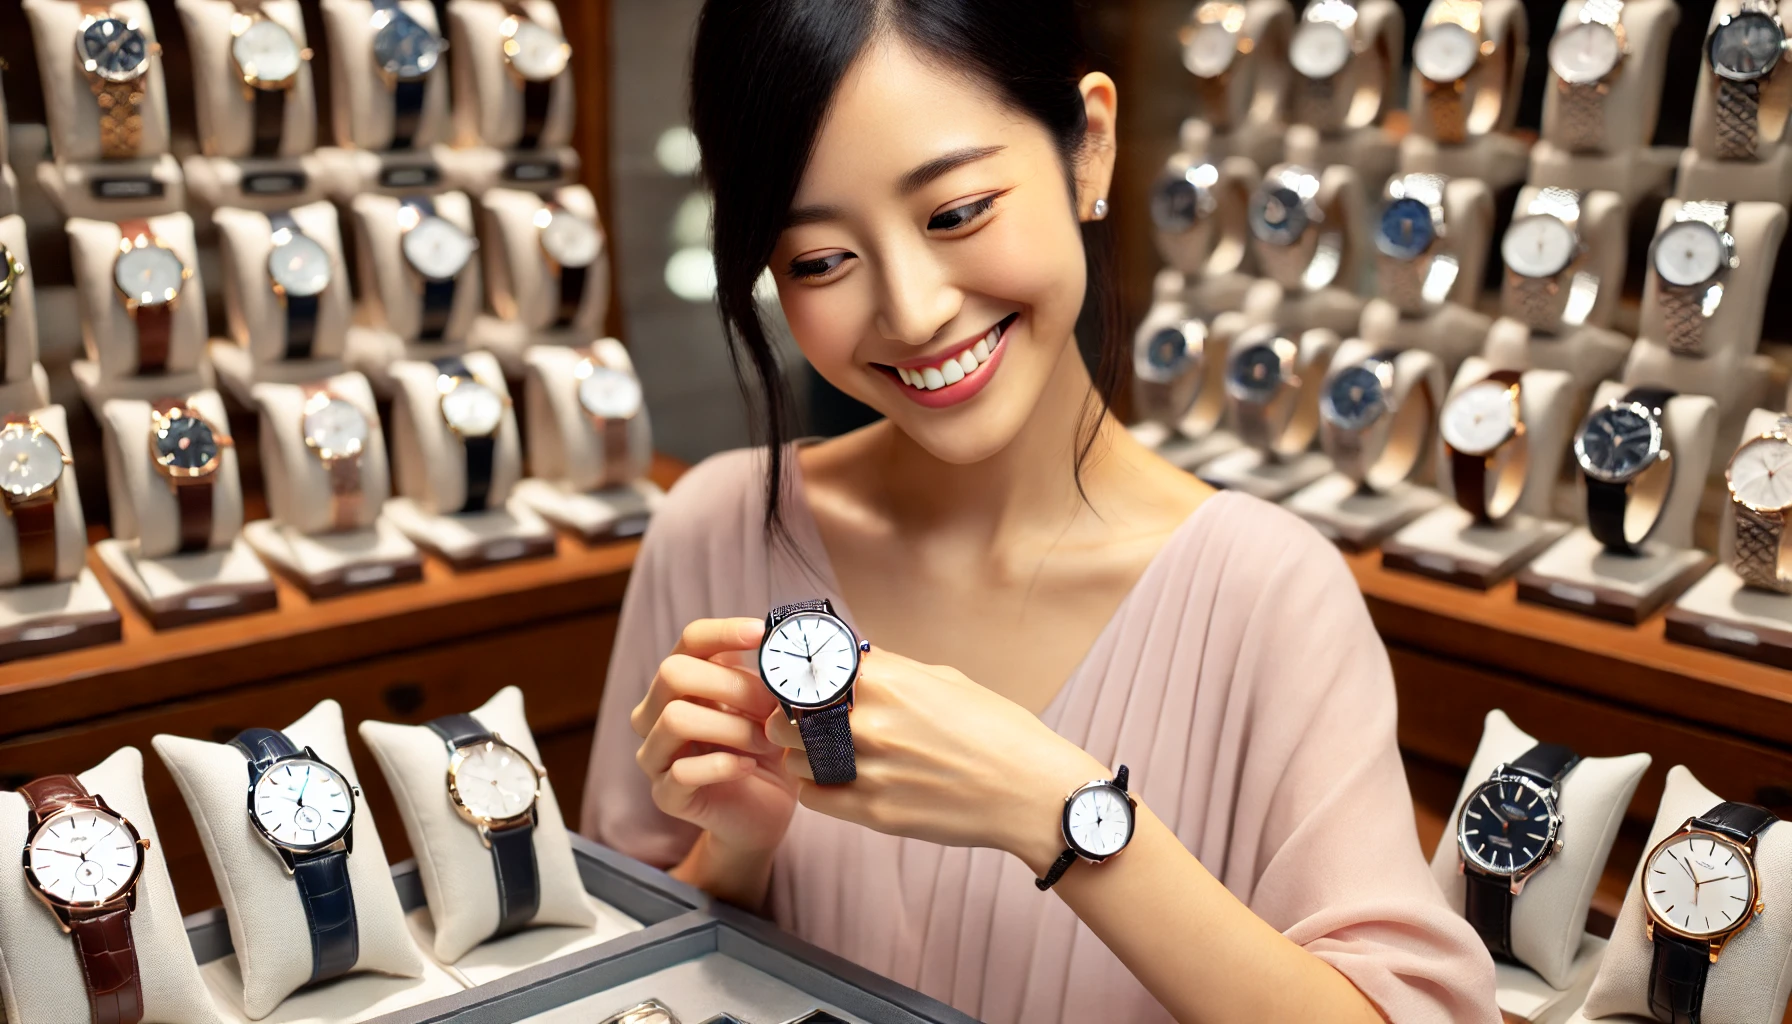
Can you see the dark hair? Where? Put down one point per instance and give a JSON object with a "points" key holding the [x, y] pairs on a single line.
{"points": [[763, 74]]}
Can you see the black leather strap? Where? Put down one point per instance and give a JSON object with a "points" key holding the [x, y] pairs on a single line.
{"points": [[459, 730], [827, 737], [407, 112], [513, 864], [1677, 973], [263, 747], [1607, 502], [1487, 904], [270, 121], [535, 111], [1545, 762], [572, 294], [301, 310], [438, 307], [1739, 821], [330, 909], [481, 451]]}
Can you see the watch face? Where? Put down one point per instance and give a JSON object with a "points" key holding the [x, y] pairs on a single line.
{"points": [[1480, 418], [1760, 474], [1319, 49], [1278, 216], [571, 240], [404, 48], [437, 249], [1746, 46], [1177, 203], [266, 53], [609, 394], [185, 443], [1699, 884], [30, 460], [1505, 826], [472, 409], [1210, 51], [1539, 246], [114, 49], [84, 856], [1354, 399], [1406, 229], [149, 275], [1255, 373], [299, 265], [302, 804], [537, 53], [334, 427], [1098, 821], [1689, 253], [493, 780], [1617, 442], [809, 659], [1445, 52], [1584, 53], [1167, 352]]}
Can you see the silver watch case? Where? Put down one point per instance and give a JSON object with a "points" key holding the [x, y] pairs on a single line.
{"points": [[1552, 844], [1132, 819]]}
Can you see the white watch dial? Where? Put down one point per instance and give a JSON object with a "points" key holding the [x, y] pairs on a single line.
{"points": [[30, 460], [1699, 884], [1210, 51], [1319, 49], [303, 803], [1099, 821], [1689, 253], [571, 240], [1480, 418], [1539, 246], [609, 394], [437, 249], [536, 52], [149, 274], [472, 409], [83, 856], [809, 658], [1445, 52], [266, 52], [1584, 53], [335, 427], [1760, 474], [495, 781], [299, 266]]}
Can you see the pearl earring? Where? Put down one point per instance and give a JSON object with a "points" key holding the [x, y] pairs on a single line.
{"points": [[1101, 209]]}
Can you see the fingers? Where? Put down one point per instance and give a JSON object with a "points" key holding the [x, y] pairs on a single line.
{"points": [[780, 732], [706, 638], [717, 766], [683, 722], [684, 676]]}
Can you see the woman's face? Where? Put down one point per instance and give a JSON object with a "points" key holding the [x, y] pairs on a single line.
{"points": [[933, 266]]}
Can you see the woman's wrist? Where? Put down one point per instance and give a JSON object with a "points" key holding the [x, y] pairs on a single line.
{"points": [[734, 874], [1033, 825]]}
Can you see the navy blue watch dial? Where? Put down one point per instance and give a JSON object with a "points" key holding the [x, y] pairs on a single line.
{"points": [[404, 48], [186, 442], [1354, 399], [115, 49], [1746, 46], [1255, 373], [1505, 826], [1175, 203], [1277, 215], [1616, 443], [1406, 229], [1167, 351]]}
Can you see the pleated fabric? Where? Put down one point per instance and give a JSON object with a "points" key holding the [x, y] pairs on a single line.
{"points": [[1242, 681]]}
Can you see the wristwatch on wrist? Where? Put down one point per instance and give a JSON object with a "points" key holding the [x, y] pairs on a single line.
{"points": [[1340, 77], [1464, 73], [1759, 477], [1199, 230], [11, 269], [1264, 390], [336, 432], [1508, 829], [83, 861], [1587, 58], [1215, 50], [1744, 52], [495, 787], [188, 451], [405, 52], [1097, 824], [1296, 243], [571, 245], [1484, 433], [34, 461], [1691, 259], [474, 412], [1375, 433], [437, 251], [809, 659], [298, 271], [1622, 451], [1543, 251], [268, 60], [149, 278], [1414, 273], [1689, 925], [115, 53], [610, 397], [1166, 368], [305, 810], [534, 55]]}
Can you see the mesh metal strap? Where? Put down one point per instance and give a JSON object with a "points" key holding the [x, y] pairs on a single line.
{"points": [[827, 738], [1757, 560], [1738, 119]]}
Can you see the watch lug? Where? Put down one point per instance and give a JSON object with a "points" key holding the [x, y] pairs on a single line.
{"points": [[285, 859], [1517, 886], [485, 836], [1649, 930]]}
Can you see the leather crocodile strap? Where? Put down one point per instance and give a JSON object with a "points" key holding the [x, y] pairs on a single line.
{"points": [[1547, 763], [1740, 821], [35, 525], [1487, 904], [1677, 973], [262, 747], [48, 794], [330, 909], [519, 888], [109, 966], [270, 121]]}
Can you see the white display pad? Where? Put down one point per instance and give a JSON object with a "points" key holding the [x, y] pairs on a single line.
{"points": [[522, 282], [1357, 519], [237, 372], [453, 862], [21, 318], [71, 526], [488, 101], [431, 459], [226, 115], [108, 330], [40, 973], [1768, 177], [697, 990], [1549, 916], [30, 392], [256, 313], [70, 106], [1528, 998], [114, 189], [500, 958], [1749, 983], [57, 616], [298, 483], [504, 533], [347, 1000], [478, 170], [175, 590], [392, 290], [145, 508], [361, 105], [1452, 333], [1587, 355], [565, 444], [260, 900], [1630, 100]]}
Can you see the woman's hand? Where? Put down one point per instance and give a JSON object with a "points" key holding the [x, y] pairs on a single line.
{"points": [[943, 759]]}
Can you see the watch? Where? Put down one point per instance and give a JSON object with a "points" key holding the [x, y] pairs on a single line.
{"points": [[1587, 58], [149, 278], [1509, 828], [1340, 77], [1166, 368], [1689, 925], [534, 55], [610, 397], [305, 809], [1214, 50], [1543, 253], [1097, 824], [1744, 52], [188, 451], [405, 53], [115, 53], [1200, 220], [336, 432], [809, 659], [1484, 435], [1621, 450], [474, 412], [1759, 477], [1295, 243], [1691, 258], [31, 465], [494, 787], [298, 271], [1414, 274], [1264, 392], [437, 250], [83, 860], [268, 60], [11, 269], [1463, 72], [571, 245], [1375, 434]]}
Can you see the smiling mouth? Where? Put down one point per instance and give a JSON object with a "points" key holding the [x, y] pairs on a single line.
{"points": [[945, 371]]}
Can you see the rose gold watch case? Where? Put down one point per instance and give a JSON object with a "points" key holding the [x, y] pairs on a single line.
{"points": [[174, 473], [132, 302], [1132, 818], [317, 400], [1514, 430], [47, 492], [454, 382], [241, 22], [507, 30], [1717, 939], [126, 897], [484, 824], [1777, 436]]}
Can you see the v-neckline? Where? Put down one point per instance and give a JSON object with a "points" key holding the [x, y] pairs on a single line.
{"points": [[806, 530]]}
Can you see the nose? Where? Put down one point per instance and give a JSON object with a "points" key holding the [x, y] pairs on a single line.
{"points": [[917, 297]]}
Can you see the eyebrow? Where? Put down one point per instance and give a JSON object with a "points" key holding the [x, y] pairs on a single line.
{"points": [[911, 182]]}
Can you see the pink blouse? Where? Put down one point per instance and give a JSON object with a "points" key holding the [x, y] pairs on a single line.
{"points": [[1240, 679]]}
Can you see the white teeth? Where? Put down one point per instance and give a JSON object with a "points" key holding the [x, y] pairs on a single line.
{"points": [[967, 362], [933, 379], [981, 351], [953, 369], [903, 373]]}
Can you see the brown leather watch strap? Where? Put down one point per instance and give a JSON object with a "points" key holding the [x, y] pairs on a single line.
{"points": [[109, 965], [1469, 473], [616, 459], [35, 525], [154, 323], [195, 497], [51, 792]]}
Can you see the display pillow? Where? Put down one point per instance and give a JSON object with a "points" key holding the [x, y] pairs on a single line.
{"points": [[267, 918], [40, 974], [455, 865], [1549, 917], [1751, 980]]}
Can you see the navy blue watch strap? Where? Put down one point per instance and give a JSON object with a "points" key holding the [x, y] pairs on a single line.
{"points": [[263, 747], [459, 730], [438, 309], [519, 888], [827, 737], [407, 112], [330, 908]]}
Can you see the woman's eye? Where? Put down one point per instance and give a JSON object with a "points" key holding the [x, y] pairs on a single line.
{"points": [[959, 216], [820, 266]]}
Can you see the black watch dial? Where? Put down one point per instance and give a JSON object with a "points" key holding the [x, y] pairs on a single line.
{"points": [[405, 49], [1176, 203], [1354, 399], [1505, 826], [1278, 216], [1255, 373], [1617, 442], [1746, 46], [187, 443], [114, 50]]}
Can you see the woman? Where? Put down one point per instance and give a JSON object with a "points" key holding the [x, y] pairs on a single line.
{"points": [[917, 174]]}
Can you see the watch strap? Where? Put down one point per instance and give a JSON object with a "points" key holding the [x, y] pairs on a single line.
{"points": [[438, 309], [329, 902], [1622, 515], [407, 111], [301, 310], [513, 865], [345, 493], [1448, 115], [459, 730], [1487, 905], [1056, 871], [1546, 763], [1469, 474], [1758, 539], [195, 500], [108, 956], [536, 97], [44, 795], [262, 747], [5, 318], [1740, 821], [1738, 119], [35, 525], [270, 121], [481, 454], [155, 322], [814, 604], [1677, 971], [827, 739], [121, 123], [572, 294], [1683, 318], [1581, 107]]}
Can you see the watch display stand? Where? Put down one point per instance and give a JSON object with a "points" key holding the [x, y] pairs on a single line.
{"points": [[268, 927], [1525, 998], [521, 277], [430, 474], [150, 186], [18, 353], [1369, 151], [1549, 916], [1495, 154], [496, 959], [361, 105], [1452, 333], [1500, 159], [1749, 983], [70, 106], [1212, 259], [567, 452], [1337, 306], [1767, 178], [391, 288], [256, 313], [226, 110], [488, 102], [41, 977], [1262, 473], [1446, 543], [1579, 575], [108, 329], [251, 183], [1255, 91], [1468, 227]]}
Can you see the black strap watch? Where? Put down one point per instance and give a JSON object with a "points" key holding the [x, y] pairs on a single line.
{"points": [[301, 310], [482, 452], [826, 731], [512, 842], [1680, 965], [1610, 508], [1098, 822], [1487, 899], [407, 99], [438, 296]]}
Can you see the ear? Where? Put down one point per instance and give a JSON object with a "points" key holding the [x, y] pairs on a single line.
{"points": [[1095, 167]]}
